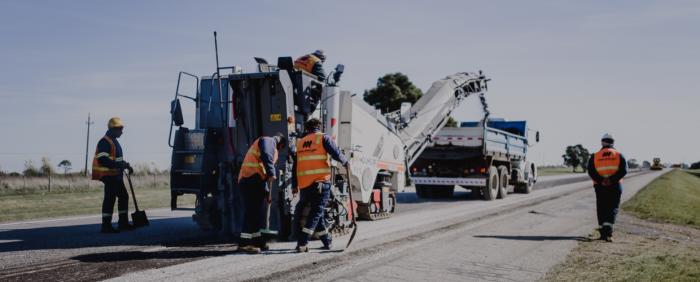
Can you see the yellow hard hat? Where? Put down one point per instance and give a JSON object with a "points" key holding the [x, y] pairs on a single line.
{"points": [[115, 122]]}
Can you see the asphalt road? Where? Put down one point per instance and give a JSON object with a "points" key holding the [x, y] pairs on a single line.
{"points": [[460, 235]]}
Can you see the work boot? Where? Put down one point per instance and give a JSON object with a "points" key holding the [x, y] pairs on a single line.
{"points": [[250, 249], [124, 223], [302, 249], [264, 247], [108, 229], [327, 244], [609, 239]]}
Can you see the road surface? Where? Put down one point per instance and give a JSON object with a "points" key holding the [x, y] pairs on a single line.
{"points": [[518, 238]]}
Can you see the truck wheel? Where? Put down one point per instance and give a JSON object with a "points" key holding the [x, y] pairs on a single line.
{"points": [[503, 187], [524, 188], [490, 192]]}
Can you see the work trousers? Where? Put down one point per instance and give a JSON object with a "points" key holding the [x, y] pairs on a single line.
{"points": [[115, 190], [607, 205], [316, 197], [253, 191]]}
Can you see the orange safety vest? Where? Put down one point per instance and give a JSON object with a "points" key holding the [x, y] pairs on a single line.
{"points": [[606, 162], [306, 62], [98, 171], [252, 164], [312, 161]]}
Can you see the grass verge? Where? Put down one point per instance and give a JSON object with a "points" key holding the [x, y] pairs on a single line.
{"points": [[645, 250], [673, 197], [59, 204]]}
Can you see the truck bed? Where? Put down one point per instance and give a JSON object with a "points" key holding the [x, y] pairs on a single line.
{"points": [[490, 141]]}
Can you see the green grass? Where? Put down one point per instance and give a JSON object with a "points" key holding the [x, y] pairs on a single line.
{"points": [[17, 207], [544, 171], [673, 197]]}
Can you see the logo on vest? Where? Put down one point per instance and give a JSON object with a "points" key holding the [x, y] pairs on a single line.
{"points": [[307, 144], [607, 154]]}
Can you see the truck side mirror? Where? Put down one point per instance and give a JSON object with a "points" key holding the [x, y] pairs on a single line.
{"points": [[339, 69], [537, 136], [176, 112]]}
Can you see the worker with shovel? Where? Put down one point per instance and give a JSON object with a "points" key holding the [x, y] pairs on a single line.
{"points": [[255, 180], [313, 175], [108, 166]]}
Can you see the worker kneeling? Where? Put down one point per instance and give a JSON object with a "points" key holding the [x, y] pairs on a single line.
{"points": [[255, 180], [313, 175]]}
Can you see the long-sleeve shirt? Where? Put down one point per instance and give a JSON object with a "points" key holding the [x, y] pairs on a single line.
{"points": [[267, 147], [615, 178]]}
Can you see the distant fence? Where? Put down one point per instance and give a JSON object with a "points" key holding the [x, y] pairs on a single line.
{"points": [[12, 185]]}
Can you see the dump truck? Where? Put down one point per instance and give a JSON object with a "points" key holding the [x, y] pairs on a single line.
{"points": [[656, 164], [233, 109], [488, 157]]}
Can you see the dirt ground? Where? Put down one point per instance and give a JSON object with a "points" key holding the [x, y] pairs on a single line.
{"points": [[642, 251]]}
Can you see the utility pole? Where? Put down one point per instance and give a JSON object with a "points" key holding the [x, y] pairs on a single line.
{"points": [[87, 144]]}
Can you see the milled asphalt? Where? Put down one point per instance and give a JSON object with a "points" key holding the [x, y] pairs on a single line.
{"points": [[515, 239]]}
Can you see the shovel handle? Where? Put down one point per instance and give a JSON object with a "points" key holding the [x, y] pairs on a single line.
{"points": [[133, 196]]}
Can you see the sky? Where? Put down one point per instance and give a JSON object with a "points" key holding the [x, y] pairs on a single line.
{"points": [[573, 69]]}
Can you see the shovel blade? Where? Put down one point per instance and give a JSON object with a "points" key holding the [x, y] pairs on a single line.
{"points": [[139, 219]]}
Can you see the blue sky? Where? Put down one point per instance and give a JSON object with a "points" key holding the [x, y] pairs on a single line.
{"points": [[574, 69]]}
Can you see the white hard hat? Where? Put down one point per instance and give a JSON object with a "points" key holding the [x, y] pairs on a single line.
{"points": [[607, 136]]}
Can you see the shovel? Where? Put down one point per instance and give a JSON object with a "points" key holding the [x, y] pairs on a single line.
{"points": [[352, 203], [138, 217]]}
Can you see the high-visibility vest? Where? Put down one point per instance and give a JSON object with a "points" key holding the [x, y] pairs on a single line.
{"points": [[98, 171], [306, 62], [252, 164], [312, 161], [607, 162]]}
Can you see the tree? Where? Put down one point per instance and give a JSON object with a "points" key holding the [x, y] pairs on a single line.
{"points": [[451, 123], [392, 90], [30, 169], [576, 156], [46, 167], [695, 165], [66, 165], [633, 164]]}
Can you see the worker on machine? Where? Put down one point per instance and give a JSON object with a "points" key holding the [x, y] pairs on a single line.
{"points": [[312, 63], [313, 175], [108, 166], [255, 180], [607, 168]]}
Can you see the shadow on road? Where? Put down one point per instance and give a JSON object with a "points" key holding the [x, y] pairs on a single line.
{"points": [[534, 237], [161, 231]]}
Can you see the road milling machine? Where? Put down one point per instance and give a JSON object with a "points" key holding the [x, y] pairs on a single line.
{"points": [[233, 109]]}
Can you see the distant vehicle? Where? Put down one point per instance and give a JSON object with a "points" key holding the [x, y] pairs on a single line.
{"points": [[486, 159], [656, 165]]}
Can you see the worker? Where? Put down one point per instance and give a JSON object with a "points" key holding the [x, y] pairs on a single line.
{"points": [[255, 180], [607, 168], [313, 175], [108, 166], [312, 63]]}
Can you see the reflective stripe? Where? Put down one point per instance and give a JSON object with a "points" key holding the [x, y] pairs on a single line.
{"points": [[313, 157], [102, 154], [607, 224], [256, 234], [252, 165], [307, 231], [119, 159], [123, 212], [318, 137], [255, 152], [246, 236], [321, 233], [268, 231], [314, 171], [106, 215]]}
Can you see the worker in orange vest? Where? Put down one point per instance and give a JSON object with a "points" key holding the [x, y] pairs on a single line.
{"points": [[312, 63], [313, 175], [108, 166], [607, 168], [255, 180]]}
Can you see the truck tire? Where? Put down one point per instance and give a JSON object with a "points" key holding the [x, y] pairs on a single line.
{"points": [[490, 192], [524, 188], [504, 177]]}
